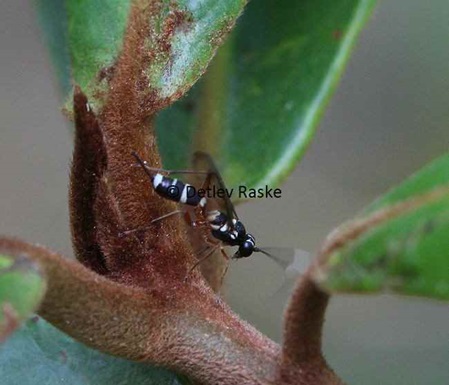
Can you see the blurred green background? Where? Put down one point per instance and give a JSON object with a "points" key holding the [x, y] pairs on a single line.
{"points": [[388, 118]]}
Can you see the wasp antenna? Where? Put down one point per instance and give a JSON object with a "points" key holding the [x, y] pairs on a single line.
{"points": [[279, 261], [259, 250]]}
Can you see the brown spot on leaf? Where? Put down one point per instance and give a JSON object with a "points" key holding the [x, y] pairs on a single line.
{"points": [[337, 34], [188, 105], [429, 227], [63, 355], [175, 20], [106, 73]]}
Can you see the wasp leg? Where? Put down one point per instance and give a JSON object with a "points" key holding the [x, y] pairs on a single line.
{"points": [[223, 252], [144, 164], [194, 222], [210, 250], [166, 216], [144, 228], [168, 172]]}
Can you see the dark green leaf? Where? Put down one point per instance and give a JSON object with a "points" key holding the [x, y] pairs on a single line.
{"points": [[95, 30], [40, 354], [259, 104], [407, 254], [265, 93]]}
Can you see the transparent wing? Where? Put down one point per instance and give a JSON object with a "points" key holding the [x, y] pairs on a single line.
{"points": [[202, 161], [294, 262]]}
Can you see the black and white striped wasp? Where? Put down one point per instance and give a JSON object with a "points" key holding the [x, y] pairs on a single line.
{"points": [[218, 215]]}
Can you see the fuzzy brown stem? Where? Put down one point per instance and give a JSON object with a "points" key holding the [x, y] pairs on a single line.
{"points": [[304, 321], [212, 348]]}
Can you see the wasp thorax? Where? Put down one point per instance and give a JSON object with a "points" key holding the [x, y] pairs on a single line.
{"points": [[240, 230]]}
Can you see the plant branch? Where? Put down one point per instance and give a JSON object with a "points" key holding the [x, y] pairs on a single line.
{"points": [[201, 338], [305, 313], [304, 320]]}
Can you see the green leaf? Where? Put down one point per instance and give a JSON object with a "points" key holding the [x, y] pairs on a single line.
{"points": [[258, 106], [408, 253], [38, 353], [430, 177], [183, 37], [95, 36], [267, 88], [21, 290], [53, 20]]}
